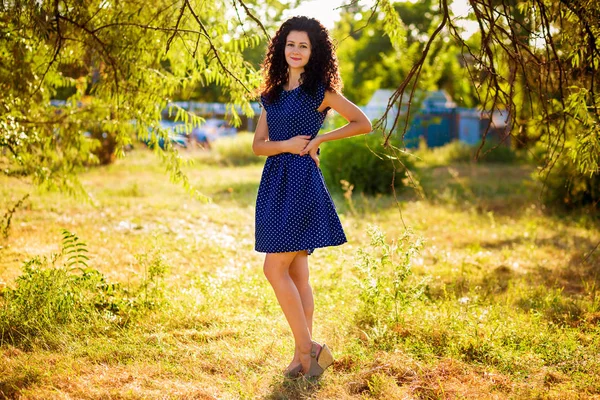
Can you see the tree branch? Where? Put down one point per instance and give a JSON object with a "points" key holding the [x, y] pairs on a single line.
{"points": [[181, 11], [254, 19], [213, 48], [103, 49]]}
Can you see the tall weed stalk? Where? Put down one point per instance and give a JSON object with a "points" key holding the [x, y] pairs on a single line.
{"points": [[387, 287]]}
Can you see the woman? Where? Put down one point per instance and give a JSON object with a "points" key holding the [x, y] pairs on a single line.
{"points": [[294, 211]]}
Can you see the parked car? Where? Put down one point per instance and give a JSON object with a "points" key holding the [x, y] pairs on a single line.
{"points": [[211, 130], [175, 136]]}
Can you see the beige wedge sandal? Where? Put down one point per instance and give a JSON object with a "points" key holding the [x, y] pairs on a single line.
{"points": [[294, 372], [320, 359]]}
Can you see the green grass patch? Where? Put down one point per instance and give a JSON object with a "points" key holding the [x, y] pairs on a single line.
{"points": [[460, 152], [480, 293], [236, 150]]}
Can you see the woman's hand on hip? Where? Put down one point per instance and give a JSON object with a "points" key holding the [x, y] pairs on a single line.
{"points": [[311, 149], [297, 143]]}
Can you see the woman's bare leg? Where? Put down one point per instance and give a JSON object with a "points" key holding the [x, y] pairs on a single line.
{"points": [[277, 271], [299, 273]]}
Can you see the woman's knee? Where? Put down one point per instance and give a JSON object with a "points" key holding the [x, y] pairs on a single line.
{"points": [[271, 272], [299, 271], [302, 284], [276, 266]]}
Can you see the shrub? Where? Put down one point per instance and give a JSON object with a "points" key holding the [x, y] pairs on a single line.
{"points": [[453, 152], [566, 187], [494, 152], [236, 150], [460, 152], [365, 163], [61, 295]]}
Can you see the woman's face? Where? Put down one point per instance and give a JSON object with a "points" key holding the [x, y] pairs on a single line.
{"points": [[297, 49]]}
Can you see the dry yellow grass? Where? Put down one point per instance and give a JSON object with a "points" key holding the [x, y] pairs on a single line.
{"points": [[222, 335]]}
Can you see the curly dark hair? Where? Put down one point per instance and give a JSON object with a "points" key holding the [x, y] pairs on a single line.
{"points": [[321, 67]]}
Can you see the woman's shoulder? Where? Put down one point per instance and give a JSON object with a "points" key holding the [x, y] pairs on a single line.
{"points": [[321, 86], [323, 89], [315, 90], [269, 98]]}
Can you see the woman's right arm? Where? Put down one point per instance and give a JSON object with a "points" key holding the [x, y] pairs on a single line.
{"points": [[262, 146]]}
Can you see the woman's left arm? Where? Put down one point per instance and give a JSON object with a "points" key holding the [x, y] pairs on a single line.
{"points": [[358, 123]]}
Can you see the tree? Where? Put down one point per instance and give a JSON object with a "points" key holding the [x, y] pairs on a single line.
{"points": [[370, 60], [537, 61], [118, 65]]}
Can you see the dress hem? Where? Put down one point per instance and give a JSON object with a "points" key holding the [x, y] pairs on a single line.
{"points": [[310, 250]]}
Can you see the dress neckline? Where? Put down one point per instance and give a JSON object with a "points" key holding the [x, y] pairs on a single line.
{"points": [[291, 90]]}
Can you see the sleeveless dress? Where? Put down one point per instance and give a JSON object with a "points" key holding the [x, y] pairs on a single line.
{"points": [[294, 210]]}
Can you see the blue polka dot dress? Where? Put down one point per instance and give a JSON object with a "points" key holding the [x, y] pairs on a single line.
{"points": [[294, 210]]}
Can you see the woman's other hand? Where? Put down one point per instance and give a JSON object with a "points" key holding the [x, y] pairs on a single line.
{"points": [[297, 143], [311, 149]]}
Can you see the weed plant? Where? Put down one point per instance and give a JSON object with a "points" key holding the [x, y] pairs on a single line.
{"points": [[387, 287], [59, 297]]}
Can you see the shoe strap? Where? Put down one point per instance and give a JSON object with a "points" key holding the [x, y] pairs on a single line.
{"points": [[313, 353]]}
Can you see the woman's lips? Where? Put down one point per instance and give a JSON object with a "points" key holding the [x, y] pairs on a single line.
{"points": [[295, 59]]}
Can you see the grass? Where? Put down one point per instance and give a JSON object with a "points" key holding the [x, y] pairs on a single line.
{"points": [[509, 306]]}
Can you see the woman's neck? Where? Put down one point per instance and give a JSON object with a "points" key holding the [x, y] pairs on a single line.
{"points": [[294, 78]]}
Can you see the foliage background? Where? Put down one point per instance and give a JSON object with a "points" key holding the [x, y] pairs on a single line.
{"points": [[490, 294]]}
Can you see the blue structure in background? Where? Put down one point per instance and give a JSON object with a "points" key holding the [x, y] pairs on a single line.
{"points": [[441, 126], [439, 121]]}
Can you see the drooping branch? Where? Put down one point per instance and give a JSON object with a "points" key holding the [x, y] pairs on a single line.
{"points": [[398, 95], [57, 47], [369, 20], [170, 39], [255, 19], [213, 48], [103, 49], [510, 62], [237, 14]]}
